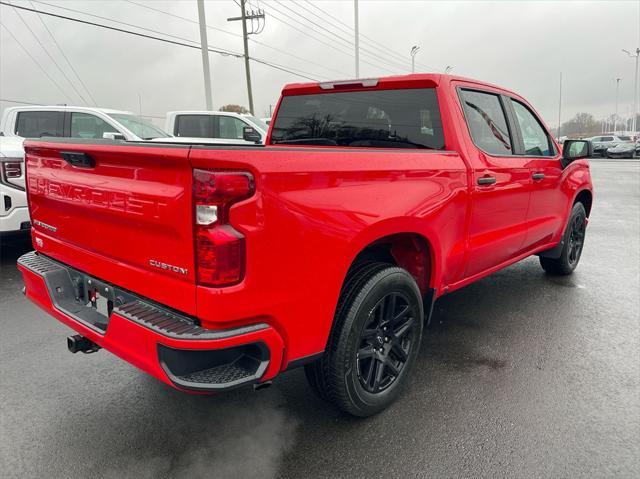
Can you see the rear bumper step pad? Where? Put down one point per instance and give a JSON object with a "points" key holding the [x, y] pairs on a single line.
{"points": [[167, 344]]}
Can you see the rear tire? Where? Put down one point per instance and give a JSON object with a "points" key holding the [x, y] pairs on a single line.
{"points": [[374, 341], [573, 244]]}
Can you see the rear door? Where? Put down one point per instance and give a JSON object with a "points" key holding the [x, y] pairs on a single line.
{"points": [[501, 183], [544, 216], [122, 213]]}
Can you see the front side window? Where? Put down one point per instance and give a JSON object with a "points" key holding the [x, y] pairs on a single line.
{"points": [[84, 125], [535, 138], [403, 118], [36, 124], [230, 128], [487, 122], [195, 126], [139, 127]]}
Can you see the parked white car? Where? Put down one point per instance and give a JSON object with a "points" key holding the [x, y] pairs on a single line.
{"points": [[77, 122], [14, 214], [222, 126]]}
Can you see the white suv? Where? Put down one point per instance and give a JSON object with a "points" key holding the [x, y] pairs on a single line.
{"points": [[14, 214]]}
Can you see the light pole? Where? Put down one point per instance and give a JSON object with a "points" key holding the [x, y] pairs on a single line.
{"points": [[414, 50], [448, 69], [634, 125], [559, 108], [615, 118], [356, 40], [204, 46]]}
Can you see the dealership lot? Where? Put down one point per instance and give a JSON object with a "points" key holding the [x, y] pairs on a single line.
{"points": [[523, 375]]}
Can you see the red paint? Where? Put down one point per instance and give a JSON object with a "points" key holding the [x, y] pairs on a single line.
{"points": [[313, 211]]}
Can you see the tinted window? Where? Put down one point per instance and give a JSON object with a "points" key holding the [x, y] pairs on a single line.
{"points": [[139, 127], [197, 126], [35, 124], [487, 122], [230, 127], [84, 125], [606, 138], [534, 136], [381, 119]]}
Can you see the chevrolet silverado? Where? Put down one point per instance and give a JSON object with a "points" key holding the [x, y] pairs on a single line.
{"points": [[211, 267]]}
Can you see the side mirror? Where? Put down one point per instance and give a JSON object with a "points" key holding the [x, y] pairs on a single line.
{"points": [[113, 135], [575, 150], [249, 134]]}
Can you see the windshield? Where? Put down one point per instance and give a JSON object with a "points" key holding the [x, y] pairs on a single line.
{"points": [[625, 138], [258, 122], [139, 127], [408, 118]]}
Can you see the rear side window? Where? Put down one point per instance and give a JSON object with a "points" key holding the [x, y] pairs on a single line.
{"points": [[487, 122], [408, 118], [36, 124], [196, 126], [84, 125], [535, 138]]}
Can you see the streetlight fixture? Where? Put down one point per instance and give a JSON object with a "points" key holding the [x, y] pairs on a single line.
{"points": [[448, 69], [635, 55], [414, 50]]}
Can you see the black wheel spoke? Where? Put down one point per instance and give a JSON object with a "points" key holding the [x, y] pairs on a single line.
{"points": [[370, 371], [366, 352], [401, 330], [401, 314], [391, 367], [378, 376], [399, 352]]}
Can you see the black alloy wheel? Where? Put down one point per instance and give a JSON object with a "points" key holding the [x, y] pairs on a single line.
{"points": [[385, 342]]}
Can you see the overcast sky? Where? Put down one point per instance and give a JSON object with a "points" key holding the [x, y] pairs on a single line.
{"points": [[516, 44]]}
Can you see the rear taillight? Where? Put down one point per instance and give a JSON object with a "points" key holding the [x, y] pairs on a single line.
{"points": [[220, 249]]}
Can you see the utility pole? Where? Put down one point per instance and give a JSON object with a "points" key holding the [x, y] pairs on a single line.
{"points": [[204, 46], [356, 42], [245, 39], [636, 91], [615, 118], [560, 107]]}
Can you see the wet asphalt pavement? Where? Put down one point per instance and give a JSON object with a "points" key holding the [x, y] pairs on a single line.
{"points": [[524, 375]]}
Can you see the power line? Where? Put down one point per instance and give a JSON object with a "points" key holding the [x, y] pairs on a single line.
{"points": [[217, 50], [306, 33], [257, 42], [272, 8], [50, 56], [368, 39], [36, 62], [66, 58]]}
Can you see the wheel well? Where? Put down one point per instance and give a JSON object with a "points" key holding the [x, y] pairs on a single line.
{"points": [[586, 198], [410, 251]]}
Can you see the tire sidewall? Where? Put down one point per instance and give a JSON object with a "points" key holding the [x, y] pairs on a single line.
{"points": [[578, 209], [385, 282]]}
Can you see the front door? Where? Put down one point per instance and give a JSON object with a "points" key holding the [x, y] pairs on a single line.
{"points": [[545, 216]]}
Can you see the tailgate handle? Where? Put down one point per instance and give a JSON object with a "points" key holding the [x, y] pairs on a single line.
{"points": [[79, 159]]}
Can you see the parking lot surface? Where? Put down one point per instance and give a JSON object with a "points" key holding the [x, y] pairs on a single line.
{"points": [[523, 375]]}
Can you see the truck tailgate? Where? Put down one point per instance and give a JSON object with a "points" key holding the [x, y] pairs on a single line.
{"points": [[122, 213]]}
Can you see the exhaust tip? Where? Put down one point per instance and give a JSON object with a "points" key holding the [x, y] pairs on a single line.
{"points": [[78, 343]]}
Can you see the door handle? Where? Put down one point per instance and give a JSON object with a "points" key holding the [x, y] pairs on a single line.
{"points": [[537, 176], [79, 159], [486, 180]]}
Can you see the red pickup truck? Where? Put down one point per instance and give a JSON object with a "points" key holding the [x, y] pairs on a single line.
{"points": [[210, 267]]}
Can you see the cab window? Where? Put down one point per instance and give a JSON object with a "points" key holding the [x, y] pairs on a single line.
{"points": [[230, 128], [195, 126], [534, 136], [84, 125], [487, 122], [36, 124]]}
